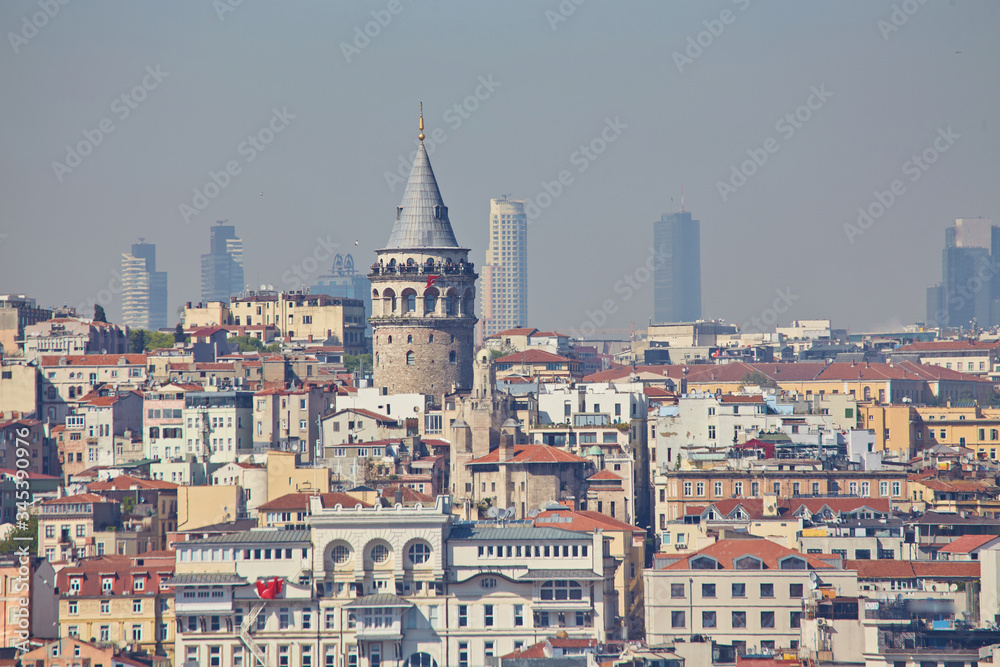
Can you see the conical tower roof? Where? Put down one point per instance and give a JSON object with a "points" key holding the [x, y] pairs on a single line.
{"points": [[422, 218]]}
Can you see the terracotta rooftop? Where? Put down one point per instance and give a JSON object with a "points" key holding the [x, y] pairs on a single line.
{"points": [[300, 501], [726, 551], [92, 359], [78, 498], [530, 454], [967, 544], [128, 482], [913, 569], [531, 357]]}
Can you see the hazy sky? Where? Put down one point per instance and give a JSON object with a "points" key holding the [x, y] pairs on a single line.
{"points": [[885, 81]]}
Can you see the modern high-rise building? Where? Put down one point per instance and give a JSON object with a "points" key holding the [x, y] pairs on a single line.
{"points": [[505, 274], [677, 272], [344, 281], [222, 267], [144, 289], [969, 292]]}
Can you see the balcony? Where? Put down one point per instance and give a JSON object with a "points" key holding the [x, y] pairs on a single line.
{"points": [[462, 268]]}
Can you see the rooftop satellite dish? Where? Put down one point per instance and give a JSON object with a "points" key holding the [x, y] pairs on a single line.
{"points": [[511, 511], [533, 513], [493, 512]]}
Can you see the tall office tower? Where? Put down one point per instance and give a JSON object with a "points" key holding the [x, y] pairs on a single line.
{"points": [[144, 289], [505, 274], [677, 272], [969, 292], [222, 267]]}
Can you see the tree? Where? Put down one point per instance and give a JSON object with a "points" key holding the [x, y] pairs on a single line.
{"points": [[11, 543], [137, 341], [99, 315], [251, 344], [128, 505], [352, 361], [179, 336], [757, 379]]}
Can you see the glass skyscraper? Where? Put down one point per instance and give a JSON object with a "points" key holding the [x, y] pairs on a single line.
{"points": [[222, 267], [505, 273], [677, 272]]}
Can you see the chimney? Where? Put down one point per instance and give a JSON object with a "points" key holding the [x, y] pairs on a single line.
{"points": [[188, 305], [506, 446], [310, 338], [398, 496], [570, 502]]}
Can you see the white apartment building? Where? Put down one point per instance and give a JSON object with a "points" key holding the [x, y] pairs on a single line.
{"points": [[218, 425], [505, 271]]}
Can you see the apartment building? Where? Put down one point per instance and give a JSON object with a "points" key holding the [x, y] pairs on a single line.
{"points": [[973, 357], [73, 336], [120, 600], [218, 425], [163, 421], [288, 419], [304, 317], [19, 387], [17, 312], [109, 419], [67, 526], [746, 593], [66, 380]]}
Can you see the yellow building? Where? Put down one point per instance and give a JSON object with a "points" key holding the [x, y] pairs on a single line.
{"points": [[538, 364], [284, 478], [906, 429], [199, 506], [120, 600], [624, 543], [961, 496], [302, 316]]}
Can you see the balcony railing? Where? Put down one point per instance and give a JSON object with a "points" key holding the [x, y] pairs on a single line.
{"points": [[462, 268]]}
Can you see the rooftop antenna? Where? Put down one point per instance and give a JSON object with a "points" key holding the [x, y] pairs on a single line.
{"points": [[682, 199]]}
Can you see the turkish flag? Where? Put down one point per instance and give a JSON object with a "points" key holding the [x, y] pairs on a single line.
{"points": [[431, 280]]}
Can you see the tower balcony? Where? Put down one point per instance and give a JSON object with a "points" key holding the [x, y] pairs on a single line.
{"points": [[439, 269]]}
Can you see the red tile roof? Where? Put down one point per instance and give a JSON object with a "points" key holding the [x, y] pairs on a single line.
{"points": [[367, 413], [78, 498], [409, 495], [92, 359], [533, 651], [726, 551], [584, 521], [531, 454], [300, 501], [605, 476], [913, 569], [127, 482], [967, 544]]}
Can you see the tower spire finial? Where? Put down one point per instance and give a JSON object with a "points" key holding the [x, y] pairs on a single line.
{"points": [[421, 135]]}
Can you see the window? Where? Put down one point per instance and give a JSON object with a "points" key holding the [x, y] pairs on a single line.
{"points": [[795, 590], [562, 590], [105, 606], [73, 607], [739, 590], [136, 606], [306, 619], [105, 633], [718, 489], [739, 619], [767, 619], [488, 582], [137, 633], [687, 488], [707, 590], [380, 554], [463, 654], [767, 590], [677, 619], [862, 554], [518, 615], [700, 488], [708, 619], [419, 553], [284, 618], [410, 358], [488, 615], [463, 615], [795, 619]]}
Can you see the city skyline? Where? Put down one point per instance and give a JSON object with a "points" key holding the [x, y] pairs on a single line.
{"points": [[325, 171]]}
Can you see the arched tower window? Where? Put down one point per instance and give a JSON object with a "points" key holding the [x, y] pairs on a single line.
{"points": [[410, 358], [409, 338], [451, 357]]}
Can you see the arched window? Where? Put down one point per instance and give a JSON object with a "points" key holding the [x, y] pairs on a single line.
{"points": [[390, 339], [430, 339], [562, 590], [420, 660], [748, 563], [380, 554], [419, 553], [451, 357], [430, 302], [410, 358], [792, 563], [409, 338], [451, 305], [340, 554], [411, 302]]}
